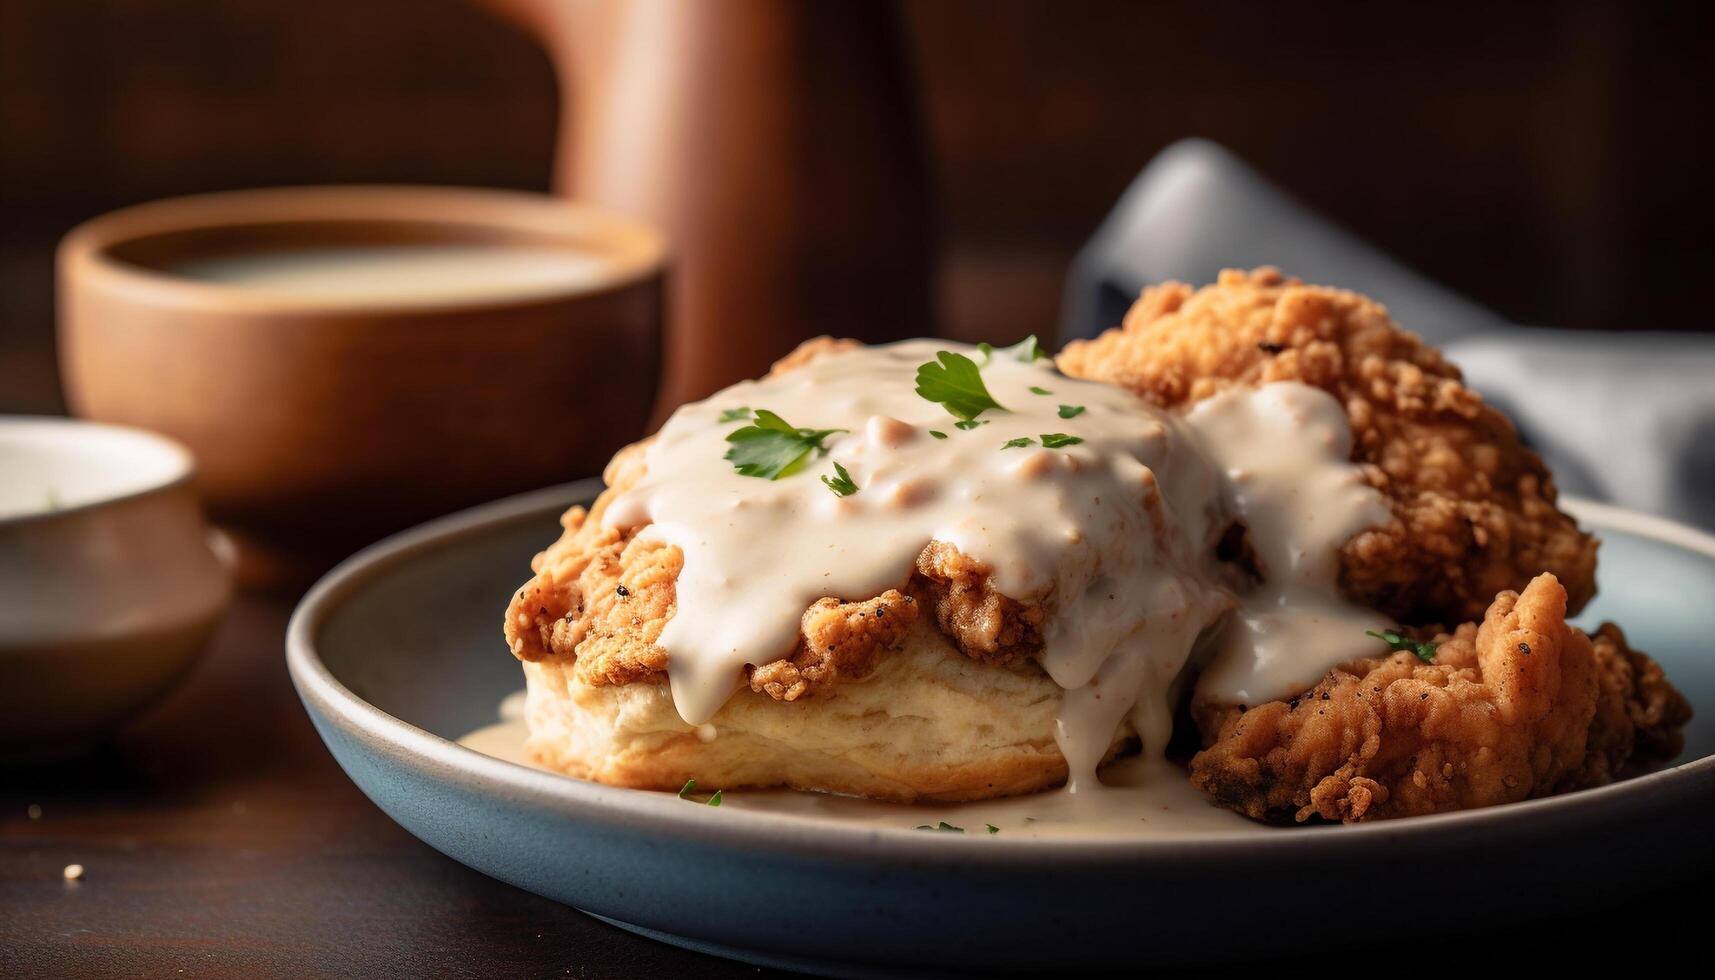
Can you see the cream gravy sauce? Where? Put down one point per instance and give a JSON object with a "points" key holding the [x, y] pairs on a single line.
{"points": [[1114, 534]]}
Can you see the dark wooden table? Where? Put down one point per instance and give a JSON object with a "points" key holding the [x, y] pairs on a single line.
{"points": [[219, 838]]}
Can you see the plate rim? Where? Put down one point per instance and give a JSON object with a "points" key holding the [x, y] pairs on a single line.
{"points": [[663, 814]]}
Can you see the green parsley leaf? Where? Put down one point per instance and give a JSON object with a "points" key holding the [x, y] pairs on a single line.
{"points": [[1398, 641], [1039, 391], [992, 828], [953, 381], [969, 424], [771, 448], [735, 414], [987, 352], [937, 433], [690, 787], [1018, 443], [945, 826], [841, 485], [1071, 411], [1057, 440]]}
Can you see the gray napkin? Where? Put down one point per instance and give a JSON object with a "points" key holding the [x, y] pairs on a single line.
{"points": [[1628, 418]]}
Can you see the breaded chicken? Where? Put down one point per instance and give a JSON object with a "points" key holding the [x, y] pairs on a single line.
{"points": [[1474, 510], [600, 598], [1639, 715], [1519, 707]]}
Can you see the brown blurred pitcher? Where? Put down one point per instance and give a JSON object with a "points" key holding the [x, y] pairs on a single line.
{"points": [[776, 143]]}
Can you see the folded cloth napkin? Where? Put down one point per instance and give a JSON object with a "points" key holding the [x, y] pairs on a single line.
{"points": [[1627, 418]]}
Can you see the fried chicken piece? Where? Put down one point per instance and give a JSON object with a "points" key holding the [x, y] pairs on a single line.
{"points": [[1474, 510], [840, 639], [601, 596], [986, 625], [1522, 706], [1638, 713]]}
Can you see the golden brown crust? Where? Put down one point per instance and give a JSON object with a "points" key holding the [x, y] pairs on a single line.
{"points": [[839, 640], [986, 625], [1521, 706], [600, 597], [1474, 510], [1639, 715]]}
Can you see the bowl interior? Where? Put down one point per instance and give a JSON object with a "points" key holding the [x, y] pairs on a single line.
{"points": [[376, 262], [421, 640], [374, 247], [49, 464]]}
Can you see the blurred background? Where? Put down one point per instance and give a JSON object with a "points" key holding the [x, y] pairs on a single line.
{"points": [[1540, 158]]}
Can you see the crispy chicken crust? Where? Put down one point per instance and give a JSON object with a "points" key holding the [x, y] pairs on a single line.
{"points": [[1474, 510], [1519, 707]]}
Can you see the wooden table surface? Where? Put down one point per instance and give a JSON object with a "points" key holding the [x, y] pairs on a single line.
{"points": [[219, 838]]}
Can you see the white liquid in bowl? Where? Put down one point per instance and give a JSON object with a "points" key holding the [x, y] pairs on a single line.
{"points": [[51, 464], [406, 273]]}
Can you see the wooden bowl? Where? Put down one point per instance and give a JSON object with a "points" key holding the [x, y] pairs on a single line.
{"points": [[328, 405]]}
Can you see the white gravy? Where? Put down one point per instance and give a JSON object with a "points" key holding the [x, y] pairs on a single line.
{"points": [[1111, 533], [1283, 449], [1114, 535]]}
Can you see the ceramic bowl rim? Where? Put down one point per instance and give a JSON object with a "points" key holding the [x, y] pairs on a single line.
{"points": [[663, 814], [184, 472]]}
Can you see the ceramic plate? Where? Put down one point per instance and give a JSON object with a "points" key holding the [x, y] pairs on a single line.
{"points": [[398, 651]]}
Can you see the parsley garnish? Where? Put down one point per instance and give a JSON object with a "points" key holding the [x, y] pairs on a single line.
{"points": [[953, 381], [992, 828], [690, 787], [1039, 391], [945, 826], [1398, 641], [841, 485], [1018, 443], [937, 433], [735, 414], [969, 424], [1056, 440], [1071, 411], [771, 449]]}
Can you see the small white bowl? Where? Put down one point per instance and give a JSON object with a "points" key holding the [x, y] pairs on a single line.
{"points": [[109, 583]]}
